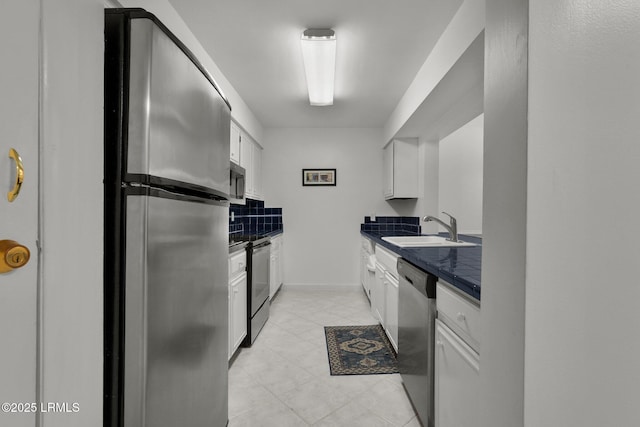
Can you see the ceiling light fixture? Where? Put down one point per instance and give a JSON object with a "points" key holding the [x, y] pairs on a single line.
{"points": [[319, 56]]}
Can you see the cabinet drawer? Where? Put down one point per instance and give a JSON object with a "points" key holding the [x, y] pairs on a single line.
{"points": [[388, 259], [459, 313], [237, 263]]}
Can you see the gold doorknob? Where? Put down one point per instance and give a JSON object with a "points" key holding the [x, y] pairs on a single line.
{"points": [[12, 255]]}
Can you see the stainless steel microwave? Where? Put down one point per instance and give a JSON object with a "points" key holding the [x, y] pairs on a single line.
{"points": [[236, 184]]}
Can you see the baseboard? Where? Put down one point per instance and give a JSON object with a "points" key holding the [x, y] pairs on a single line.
{"points": [[321, 286]]}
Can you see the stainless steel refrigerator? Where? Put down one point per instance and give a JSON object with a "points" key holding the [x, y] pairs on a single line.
{"points": [[166, 230]]}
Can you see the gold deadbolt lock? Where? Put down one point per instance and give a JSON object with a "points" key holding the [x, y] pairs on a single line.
{"points": [[12, 255]]}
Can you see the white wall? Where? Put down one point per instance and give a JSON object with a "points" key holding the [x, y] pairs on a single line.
{"points": [[582, 317], [322, 224], [460, 176], [463, 29], [504, 216]]}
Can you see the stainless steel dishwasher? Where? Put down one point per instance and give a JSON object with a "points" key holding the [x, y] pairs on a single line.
{"points": [[416, 331]]}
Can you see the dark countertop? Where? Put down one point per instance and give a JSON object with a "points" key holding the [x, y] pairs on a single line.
{"points": [[459, 266], [235, 246], [238, 237]]}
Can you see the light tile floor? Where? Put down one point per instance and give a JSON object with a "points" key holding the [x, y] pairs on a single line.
{"points": [[283, 379]]}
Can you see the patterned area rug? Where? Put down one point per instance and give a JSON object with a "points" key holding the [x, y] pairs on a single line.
{"points": [[359, 350]]}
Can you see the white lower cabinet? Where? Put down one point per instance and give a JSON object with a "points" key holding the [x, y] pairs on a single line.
{"points": [[457, 359], [276, 265], [391, 313], [370, 278], [363, 270], [457, 380], [378, 294], [385, 292], [237, 300], [367, 266]]}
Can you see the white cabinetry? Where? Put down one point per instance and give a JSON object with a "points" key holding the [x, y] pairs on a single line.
{"points": [[246, 154], [384, 293], [391, 292], [459, 312], [237, 300], [367, 266], [251, 161], [457, 377], [378, 294], [256, 164], [277, 264], [235, 143], [400, 168], [457, 361]]}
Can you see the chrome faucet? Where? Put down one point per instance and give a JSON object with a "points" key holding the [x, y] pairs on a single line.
{"points": [[452, 228]]}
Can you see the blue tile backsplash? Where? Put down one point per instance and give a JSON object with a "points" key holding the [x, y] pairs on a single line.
{"points": [[254, 219], [407, 224]]}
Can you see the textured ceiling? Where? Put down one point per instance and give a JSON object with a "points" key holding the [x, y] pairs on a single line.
{"points": [[381, 46]]}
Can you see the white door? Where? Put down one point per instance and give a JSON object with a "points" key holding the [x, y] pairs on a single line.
{"points": [[19, 106]]}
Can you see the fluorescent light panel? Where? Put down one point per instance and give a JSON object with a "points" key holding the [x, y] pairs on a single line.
{"points": [[319, 56]]}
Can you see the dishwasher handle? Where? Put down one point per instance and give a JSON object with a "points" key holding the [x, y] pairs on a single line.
{"points": [[424, 282]]}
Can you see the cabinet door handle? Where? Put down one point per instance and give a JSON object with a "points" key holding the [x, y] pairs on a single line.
{"points": [[461, 317], [13, 194]]}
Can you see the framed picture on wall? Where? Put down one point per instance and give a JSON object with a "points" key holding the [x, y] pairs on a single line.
{"points": [[318, 177]]}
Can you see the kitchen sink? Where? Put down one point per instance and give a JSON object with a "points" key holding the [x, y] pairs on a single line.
{"points": [[424, 241]]}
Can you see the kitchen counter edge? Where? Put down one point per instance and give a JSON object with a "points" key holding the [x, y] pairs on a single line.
{"points": [[428, 259]]}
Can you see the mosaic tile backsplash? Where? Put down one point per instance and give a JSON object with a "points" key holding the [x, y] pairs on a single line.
{"points": [[254, 218], [407, 224]]}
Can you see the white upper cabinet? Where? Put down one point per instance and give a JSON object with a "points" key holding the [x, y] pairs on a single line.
{"points": [[251, 161], [236, 141], [256, 161], [246, 153], [400, 159]]}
